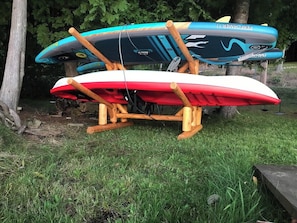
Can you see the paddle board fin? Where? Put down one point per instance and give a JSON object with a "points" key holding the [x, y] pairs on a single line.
{"points": [[173, 66], [224, 19]]}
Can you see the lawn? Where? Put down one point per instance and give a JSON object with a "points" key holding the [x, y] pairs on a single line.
{"points": [[143, 173]]}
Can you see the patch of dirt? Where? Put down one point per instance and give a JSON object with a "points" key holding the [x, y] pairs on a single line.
{"points": [[105, 216], [51, 126]]}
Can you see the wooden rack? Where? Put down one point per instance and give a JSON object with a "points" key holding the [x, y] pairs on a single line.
{"points": [[110, 113]]}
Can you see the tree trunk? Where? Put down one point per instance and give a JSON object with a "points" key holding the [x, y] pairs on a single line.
{"points": [[240, 16], [263, 74], [15, 60], [70, 69], [241, 13], [66, 105]]}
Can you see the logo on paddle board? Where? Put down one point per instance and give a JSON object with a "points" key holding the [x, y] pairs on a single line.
{"points": [[69, 56], [234, 26], [81, 55], [199, 44], [143, 52], [231, 43], [260, 47]]}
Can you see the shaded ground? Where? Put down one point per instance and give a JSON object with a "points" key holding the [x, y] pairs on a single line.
{"points": [[44, 122]]}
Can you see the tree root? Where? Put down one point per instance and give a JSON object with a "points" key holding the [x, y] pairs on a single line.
{"points": [[10, 118]]}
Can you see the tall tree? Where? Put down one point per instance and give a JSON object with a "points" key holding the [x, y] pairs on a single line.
{"points": [[15, 60], [240, 15]]}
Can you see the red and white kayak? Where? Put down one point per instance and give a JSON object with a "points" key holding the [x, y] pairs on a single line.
{"points": [[154, 87]]}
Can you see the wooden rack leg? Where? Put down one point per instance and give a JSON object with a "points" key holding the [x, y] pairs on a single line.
{"points": [[122, 109], [196, 68], [184, 68], [186, 135], [196, 124], [113, 118], [102, 128], [197, 115], [187, 119], [102, 114], [179, 113], [191, 122]]}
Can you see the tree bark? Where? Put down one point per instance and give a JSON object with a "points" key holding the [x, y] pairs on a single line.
{"points": [[70, 69], [263, 74], [241, 14], [15, 60]]}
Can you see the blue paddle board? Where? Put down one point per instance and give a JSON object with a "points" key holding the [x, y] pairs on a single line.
{"points": [[267, 55], [90, 67], [152, 43]]}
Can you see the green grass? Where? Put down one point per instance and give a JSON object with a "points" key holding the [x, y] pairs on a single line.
{"points": [[143, 174]]}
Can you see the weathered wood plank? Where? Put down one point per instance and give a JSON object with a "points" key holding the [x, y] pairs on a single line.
{"points": [[282, 182]]}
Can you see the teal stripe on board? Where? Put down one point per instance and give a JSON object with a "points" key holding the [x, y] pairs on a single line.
{"points": [[154, 40], [168, 47]]}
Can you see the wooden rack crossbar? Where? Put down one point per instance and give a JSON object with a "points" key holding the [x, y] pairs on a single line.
{"points": [[189, 115]]}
